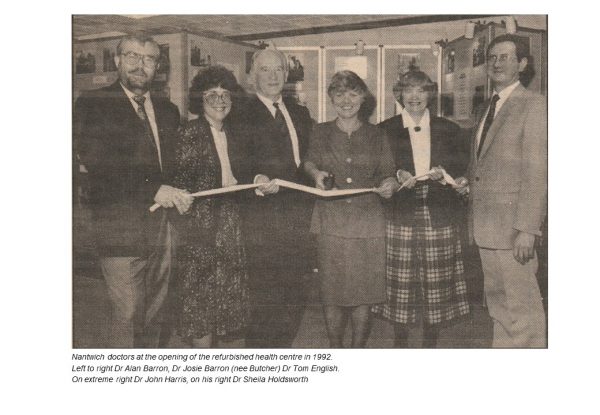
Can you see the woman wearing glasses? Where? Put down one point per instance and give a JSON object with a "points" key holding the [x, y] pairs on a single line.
{"points": [[212, 266]]}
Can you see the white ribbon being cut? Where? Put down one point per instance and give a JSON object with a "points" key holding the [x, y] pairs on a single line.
{"points": [[313, 190], [446, 179]]}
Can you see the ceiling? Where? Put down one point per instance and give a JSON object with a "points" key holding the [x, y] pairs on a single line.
{"points": [[242, 27]]}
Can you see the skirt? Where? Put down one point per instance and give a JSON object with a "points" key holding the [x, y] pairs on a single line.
{"points": [[424, 270], [351, 270]]}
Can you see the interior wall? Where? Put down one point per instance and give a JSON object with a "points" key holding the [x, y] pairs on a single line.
{"points": [[412, 34]]}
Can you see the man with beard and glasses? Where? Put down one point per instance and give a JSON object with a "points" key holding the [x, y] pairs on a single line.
{"points": [[126, 135]]}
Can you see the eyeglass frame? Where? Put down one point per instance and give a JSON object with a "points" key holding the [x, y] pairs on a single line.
{"points": [[129, 55], [504, 57], [213, 97]]}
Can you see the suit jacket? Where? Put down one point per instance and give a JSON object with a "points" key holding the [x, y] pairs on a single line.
{"points": [[270, 155], [509, 180], [276, 225], [444, 203], [123, 166]]}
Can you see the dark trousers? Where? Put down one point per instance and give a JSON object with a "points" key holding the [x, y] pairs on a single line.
{"points": [[279, 257]]}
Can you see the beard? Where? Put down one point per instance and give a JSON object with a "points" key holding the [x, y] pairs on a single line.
{"points": [[137, 79]]}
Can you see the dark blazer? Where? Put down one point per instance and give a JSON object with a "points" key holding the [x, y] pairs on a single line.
{"points": [[270, 155], [277, 226], [124, 171], [446, 151]]}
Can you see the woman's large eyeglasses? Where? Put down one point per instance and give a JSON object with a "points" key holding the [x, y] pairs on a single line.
{"points": [[133, 58], [213, 97]]}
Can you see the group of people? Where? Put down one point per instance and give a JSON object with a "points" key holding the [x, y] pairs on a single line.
{"points": [[230, 270]]}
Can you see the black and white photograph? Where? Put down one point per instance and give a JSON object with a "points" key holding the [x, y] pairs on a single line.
{"points": [[232, 215], [479, 52], [268, 208]]}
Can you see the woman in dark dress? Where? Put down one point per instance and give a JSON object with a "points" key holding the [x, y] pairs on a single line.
{"points": [[212, 265], [350, 231], [425, 272]]}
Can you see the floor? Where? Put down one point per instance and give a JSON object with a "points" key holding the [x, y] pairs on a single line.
{"points": [[91, 315], [91, 311]]}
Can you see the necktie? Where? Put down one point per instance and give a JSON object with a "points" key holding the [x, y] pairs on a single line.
{"points": [[280, 121], [141, 112], [488, 122]]}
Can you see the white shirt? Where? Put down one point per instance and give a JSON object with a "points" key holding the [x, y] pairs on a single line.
{"points": [[220, 140], [150, 113], [503, 96], [288, 120], [420, 141]]}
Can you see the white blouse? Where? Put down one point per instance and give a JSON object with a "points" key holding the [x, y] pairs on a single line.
{"points": [[420, 141], [220, 139]]}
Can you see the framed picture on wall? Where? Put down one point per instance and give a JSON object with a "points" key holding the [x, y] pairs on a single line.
{"points": [[407, 62], [296, 67], [479, 52], [85, 62], [450, 61], [108, 60], [164, 64]]}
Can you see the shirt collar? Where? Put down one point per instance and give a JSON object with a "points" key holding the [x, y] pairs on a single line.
{"points": [[409, 122], [130, 94], [507, 91], [269, 102]]}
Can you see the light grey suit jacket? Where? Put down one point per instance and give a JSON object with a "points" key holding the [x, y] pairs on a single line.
{"points": [[508, 182]]}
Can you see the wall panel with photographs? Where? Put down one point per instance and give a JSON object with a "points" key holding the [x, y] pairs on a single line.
{"points": [[367, 66], [397, 60], [303, 81]]}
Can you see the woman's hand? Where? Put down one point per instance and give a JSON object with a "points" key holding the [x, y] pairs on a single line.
{"points": [[437, 173], [387, 188], [405, 179], [463, 184]]}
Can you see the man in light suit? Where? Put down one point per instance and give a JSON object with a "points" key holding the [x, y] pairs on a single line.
{"points": [[277, 130], [508, 196], [126, 138]]}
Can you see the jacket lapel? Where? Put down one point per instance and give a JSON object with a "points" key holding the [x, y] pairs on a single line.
{"points": [[500, 118]]}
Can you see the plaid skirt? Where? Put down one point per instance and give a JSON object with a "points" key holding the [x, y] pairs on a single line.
{"points": [[424, 270]]}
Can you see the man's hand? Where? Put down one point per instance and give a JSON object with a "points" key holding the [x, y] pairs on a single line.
{"points": [[169, 196], [387, 188], [463, 184], [319, 176], [523, 247], [405, 179], [266, 187]]}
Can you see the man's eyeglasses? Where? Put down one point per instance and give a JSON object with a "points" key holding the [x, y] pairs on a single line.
{"points": [[133, 58], [213, 97], [505, 57]]}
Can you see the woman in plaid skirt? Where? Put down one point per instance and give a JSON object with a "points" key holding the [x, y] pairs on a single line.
{"points": [[424, 265]]}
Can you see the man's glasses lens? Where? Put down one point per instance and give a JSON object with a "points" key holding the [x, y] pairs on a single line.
{"points": [[133, 58]]}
